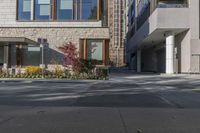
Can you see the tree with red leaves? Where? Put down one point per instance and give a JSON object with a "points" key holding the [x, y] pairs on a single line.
{"points": [[71, 56], [70, 53]]}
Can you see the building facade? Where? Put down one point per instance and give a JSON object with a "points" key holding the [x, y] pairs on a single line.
{"points": [[25, 24], [117, 27], [164, 36]]}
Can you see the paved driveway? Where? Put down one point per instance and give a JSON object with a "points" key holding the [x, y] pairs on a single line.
{"points": [[128, 103]]}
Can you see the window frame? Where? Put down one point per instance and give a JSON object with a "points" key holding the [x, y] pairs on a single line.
{"points": [[17, 13], [105, 49], [53, 13], [34, 11], [57, 8]]}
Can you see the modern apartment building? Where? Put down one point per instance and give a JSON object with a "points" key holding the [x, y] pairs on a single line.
{"points": [[25, 24], [117, 26], [164, 36]]}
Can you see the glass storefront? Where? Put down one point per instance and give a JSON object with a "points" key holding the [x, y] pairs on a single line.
{"points": [[1, 56], [22, 55], [30, 55]]}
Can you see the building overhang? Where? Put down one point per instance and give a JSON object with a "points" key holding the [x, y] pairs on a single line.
{"points": [[21, 40], [162, 20]]}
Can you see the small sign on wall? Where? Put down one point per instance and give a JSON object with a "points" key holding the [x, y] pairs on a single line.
{"points": [[34, 49]]}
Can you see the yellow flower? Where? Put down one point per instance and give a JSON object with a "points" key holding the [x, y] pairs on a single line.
{"points": [[33, 70]]}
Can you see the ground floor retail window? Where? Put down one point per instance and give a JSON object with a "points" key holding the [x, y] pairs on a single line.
{"points": [[19, 55], [96, 50], [31, 55]]}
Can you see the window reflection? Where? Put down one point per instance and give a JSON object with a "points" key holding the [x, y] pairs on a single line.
{"points": [[42, 9], [64, 9], [89, 9], [94, 50], [24, 9]]}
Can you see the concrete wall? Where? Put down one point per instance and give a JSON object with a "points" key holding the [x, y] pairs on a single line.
{"points": [[195, 58], [183, 52], [194, 36]]}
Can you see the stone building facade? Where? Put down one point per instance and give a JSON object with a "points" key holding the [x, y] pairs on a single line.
{"points": [[56, 37], [15, 32], [117, 27]]}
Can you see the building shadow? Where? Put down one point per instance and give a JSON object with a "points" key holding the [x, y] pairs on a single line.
{"points": [[144, 92]]}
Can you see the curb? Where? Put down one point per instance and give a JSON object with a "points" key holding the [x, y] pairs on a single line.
{"points": [[46, 81]]}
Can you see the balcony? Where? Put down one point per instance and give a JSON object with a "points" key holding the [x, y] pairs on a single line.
{"points": [[172, 4], [158, 18], [147, 9]]}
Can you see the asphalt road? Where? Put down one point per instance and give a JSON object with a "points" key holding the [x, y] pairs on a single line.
{"points": [[125, 104]]}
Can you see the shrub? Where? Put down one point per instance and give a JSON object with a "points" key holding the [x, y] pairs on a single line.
{"points": [[83, 66], [57, 69], [87, 66], [102, 72], [33, 70]]}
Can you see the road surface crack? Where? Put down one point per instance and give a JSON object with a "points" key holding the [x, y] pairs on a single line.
{"points": [[6, 120], [123, 121]]}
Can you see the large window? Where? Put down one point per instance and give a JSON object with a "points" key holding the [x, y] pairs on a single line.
{"points": [[24, 9], [42, 9], [96, 50], [65, 9], [89, 9], [77, 9], [60, 10]]}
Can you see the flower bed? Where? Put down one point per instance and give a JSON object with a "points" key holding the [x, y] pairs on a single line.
{"points": [[32, 72]]}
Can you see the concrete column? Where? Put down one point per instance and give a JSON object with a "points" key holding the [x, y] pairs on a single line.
{"points": [[170, 43], [6, 54], [138, 60]]}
